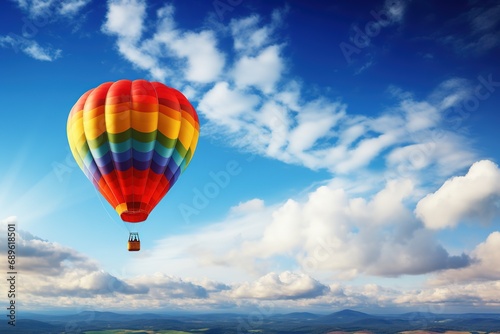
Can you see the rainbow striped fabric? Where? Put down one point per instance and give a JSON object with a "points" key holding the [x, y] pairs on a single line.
{"points": [[133, 139]]}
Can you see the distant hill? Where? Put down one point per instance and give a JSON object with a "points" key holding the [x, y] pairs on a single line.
{"points": [[345, 316], [221, 323], [26, 326]]}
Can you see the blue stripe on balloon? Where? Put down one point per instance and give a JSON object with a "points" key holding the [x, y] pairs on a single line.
{"points": [[103, 161], [108, 168], [123, 156], [160, 160], [177, 157], [142, 156]]}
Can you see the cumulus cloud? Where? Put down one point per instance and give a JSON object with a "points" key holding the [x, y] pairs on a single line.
{"points": [[484, 267], [330, 231], [352, 235], [79, 279], [447, 297], [54, 274], [287, 285], [165, 286], [51, 269], [473, 196]]}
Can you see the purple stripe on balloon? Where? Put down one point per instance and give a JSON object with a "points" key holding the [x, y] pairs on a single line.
{"points": [[160, 160], [136, 155], [108, 168], [123, 165], [94, 178], [141, 165], [156, 168], [172, 176]]}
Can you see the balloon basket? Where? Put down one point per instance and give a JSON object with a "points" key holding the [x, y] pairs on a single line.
{"points": [[134, 243]]}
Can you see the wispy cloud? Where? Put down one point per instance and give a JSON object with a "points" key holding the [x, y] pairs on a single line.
{"points": [[50, 9], [482, 22], [30, 48], [40, 14], [200, 60]]}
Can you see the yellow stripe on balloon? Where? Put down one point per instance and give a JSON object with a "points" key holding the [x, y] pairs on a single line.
{"points": [[186, 134], [144, 121], [168, 126], [117, 122], [194, 141], [94, 127]]}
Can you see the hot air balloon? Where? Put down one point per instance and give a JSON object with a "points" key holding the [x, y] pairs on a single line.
{"points": [[133, 139]]}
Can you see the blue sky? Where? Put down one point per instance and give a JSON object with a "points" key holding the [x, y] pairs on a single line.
{"points": [[347, 159]]}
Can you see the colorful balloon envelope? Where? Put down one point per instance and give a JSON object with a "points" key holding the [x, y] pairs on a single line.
{"points": [[133, 139]]}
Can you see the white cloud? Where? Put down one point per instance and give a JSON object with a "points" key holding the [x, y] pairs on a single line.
{"points": [[204, 61], [194, 54], [330, 232], [224, 105], [250, 35], [34, 50], [262, 71], [72, 7], [474, 195], [53, 270], [30, 47], [125, 18], [252, 205], [314, 121], [56, 275], [247, 34], [286, 285], [484, 267], [40, 14], [164, 286], [50, 9]]}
